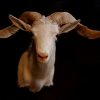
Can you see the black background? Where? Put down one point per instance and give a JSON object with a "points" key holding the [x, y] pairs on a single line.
{"points": [[77, 58]]}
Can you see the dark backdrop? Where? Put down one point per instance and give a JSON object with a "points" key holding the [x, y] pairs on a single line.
{"points": [[77, 58]]}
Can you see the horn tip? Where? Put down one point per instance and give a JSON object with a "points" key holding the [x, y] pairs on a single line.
{"points": [[10, 16], [79, 20]]}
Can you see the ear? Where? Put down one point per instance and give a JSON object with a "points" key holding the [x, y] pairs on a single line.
{"points": [[19, 23], [68, 27]]}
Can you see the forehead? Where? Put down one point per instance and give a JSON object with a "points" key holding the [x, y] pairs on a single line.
{"points": [[44, 25]]}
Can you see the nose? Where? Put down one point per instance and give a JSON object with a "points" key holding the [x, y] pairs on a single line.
{"points": [[42, 56]]}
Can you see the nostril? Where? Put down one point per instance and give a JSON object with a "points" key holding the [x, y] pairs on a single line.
{"points": [[42, 56]]}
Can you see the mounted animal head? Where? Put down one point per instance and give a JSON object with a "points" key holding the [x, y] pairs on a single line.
{"points": [[45, 29]]}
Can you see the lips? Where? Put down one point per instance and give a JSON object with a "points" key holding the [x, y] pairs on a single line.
{"points": [[42, 58]]}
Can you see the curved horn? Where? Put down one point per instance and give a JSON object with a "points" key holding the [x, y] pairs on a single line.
{"points": [[87, 32], [64, 20], [26, 20], [28, 17]]}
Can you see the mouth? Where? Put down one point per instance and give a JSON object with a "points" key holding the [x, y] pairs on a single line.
{"points": [[42, 59]]}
